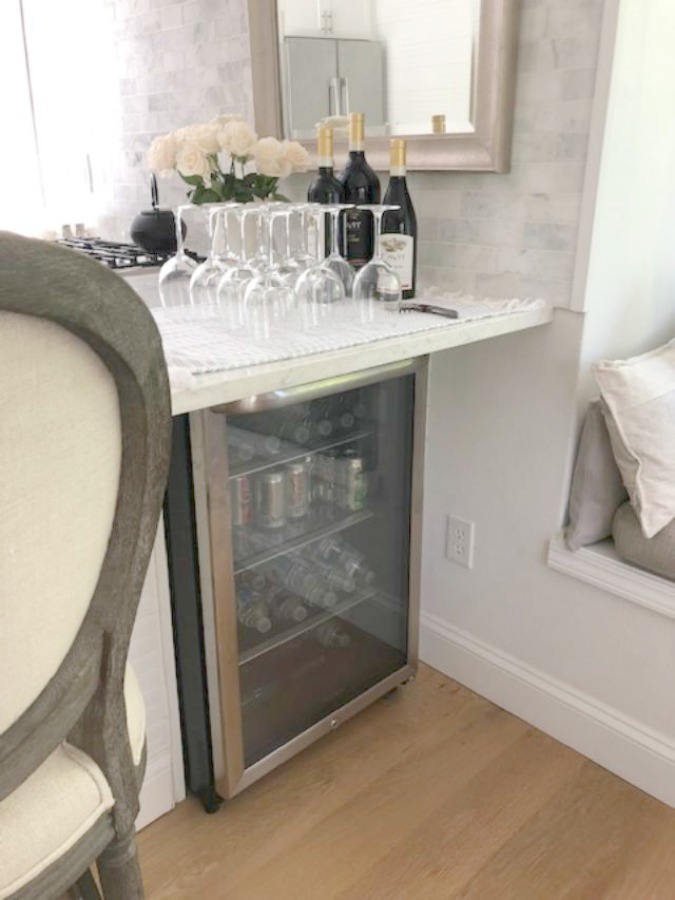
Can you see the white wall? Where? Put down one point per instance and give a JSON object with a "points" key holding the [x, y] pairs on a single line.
{"points": [[590, 668], [630, 291]]}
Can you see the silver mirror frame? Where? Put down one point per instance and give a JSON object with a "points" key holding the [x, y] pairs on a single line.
{"points": [[486, 149]]}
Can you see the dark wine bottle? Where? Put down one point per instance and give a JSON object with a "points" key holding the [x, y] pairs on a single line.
{"points": [[399, 226], [325, 188], [361, 185]]}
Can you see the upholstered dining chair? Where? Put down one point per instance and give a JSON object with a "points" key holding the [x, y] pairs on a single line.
{"points": [[84, 448]]}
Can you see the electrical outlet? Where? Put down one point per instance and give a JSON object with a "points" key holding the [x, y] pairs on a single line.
{"points": [[459, 541]]}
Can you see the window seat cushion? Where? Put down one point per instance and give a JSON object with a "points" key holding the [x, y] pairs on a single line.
{"points": [[597, 490], [656, 554]]}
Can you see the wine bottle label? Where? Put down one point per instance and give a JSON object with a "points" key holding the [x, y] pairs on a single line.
{"points": [[358, 232], [398, 251]]}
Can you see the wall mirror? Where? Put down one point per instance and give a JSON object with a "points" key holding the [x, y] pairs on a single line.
{"points": [[439, 72]]}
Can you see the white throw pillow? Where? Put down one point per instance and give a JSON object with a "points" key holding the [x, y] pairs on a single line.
{"points": [[639, 394]]}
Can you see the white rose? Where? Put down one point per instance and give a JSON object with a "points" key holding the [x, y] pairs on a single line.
{"points": [[237, 138], [162, 154], [296, 155], [270, 158], [204, 137], [191, 160]]}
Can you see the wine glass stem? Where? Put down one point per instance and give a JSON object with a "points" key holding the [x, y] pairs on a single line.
{"points": [[287, 219], [218, 227], [334, 229], [303, 234], [179, 234], [242, 238], [377, 226]]}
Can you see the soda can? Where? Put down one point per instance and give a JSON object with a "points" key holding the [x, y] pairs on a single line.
{"points": [[352, 480], [298, 488], [241, 500], [326, 466], [271, 500]]}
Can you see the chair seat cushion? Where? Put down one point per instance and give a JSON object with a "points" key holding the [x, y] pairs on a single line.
{"points": [[48, 814], [56, 805]]}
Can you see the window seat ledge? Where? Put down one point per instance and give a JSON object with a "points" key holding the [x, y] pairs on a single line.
{"points": [[599, 565]]}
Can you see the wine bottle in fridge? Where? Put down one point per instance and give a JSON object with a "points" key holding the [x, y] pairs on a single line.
{"points": [[361, 185], [399, 226]]}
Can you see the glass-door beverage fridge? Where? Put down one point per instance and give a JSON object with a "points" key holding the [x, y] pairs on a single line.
{"points": [[293, 532]]}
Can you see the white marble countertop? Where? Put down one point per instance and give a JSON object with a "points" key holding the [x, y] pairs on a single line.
{"points": [[234, 384]]}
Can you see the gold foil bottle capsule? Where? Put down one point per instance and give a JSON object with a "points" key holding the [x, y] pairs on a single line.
{"points": [[324, 142], [397, 153]]}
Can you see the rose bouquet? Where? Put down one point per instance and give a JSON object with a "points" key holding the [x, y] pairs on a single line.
{"points": [[225, 160]]}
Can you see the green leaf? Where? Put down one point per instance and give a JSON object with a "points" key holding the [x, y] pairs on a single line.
{"points": [[194, 180], [277, 196], [242, 194], [204, 195]]}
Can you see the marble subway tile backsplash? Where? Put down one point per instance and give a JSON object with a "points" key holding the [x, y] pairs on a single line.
{"points": [[497, 235], [179, 62], [516, 234]]}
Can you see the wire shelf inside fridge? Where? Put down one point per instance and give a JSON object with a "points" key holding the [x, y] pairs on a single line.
{"points": [[290, 634], [290, 452], [313, 533]]}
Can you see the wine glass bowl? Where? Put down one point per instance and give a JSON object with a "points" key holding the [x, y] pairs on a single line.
{"points": [[320, 285], [335, 262], [175, 274], [233, 280], [377, 280], [206, 277]]}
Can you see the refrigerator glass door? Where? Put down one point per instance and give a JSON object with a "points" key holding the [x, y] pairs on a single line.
{"points": [[319, 500]]}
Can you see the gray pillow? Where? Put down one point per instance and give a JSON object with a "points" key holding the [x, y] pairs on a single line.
{"points": [[597, 490], [655, 554]]}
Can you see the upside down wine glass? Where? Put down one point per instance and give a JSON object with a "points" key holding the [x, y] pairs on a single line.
{"points": [[175, 274], [337, 264], [268, 291], [233, 282], [319, 284], [377, 280], [205, 278]]}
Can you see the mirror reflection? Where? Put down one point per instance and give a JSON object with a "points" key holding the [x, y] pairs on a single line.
{"points": [[408, 66]]}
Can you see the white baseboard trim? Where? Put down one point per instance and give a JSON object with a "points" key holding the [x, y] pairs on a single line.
{"points": [[636, 753], [157, 792]]}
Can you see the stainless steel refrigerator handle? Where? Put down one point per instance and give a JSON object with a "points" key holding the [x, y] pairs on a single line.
{"points": [[334, 97], [288, 396], [344, 96]]}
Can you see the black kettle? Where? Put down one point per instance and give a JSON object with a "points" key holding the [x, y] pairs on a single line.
{"points": [[155, 229]]}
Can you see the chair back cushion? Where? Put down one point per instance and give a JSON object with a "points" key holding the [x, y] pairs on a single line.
{"points": [[84, 448], [60, 453]]}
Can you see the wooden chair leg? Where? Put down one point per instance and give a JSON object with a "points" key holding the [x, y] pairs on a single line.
{"points": [[84, 889], [120, 871]]}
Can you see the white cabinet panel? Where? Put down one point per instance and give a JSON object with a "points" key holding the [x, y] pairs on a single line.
{"points": [[347, 18], [152, 659]]}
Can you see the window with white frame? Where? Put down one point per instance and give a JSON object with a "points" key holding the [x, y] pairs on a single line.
{"points": [[57, 68]]}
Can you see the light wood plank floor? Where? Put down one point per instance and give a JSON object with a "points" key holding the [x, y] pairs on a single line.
{"points": [[431, 793]]}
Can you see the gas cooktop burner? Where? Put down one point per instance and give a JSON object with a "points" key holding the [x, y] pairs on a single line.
{"points": [[115, 255]]}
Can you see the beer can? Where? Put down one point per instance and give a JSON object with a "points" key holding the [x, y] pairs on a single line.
{"points": [[271, 500], [297, 484], [241, 500]]}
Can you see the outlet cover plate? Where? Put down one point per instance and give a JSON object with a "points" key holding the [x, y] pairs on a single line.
{"points": [[459, 541]]}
